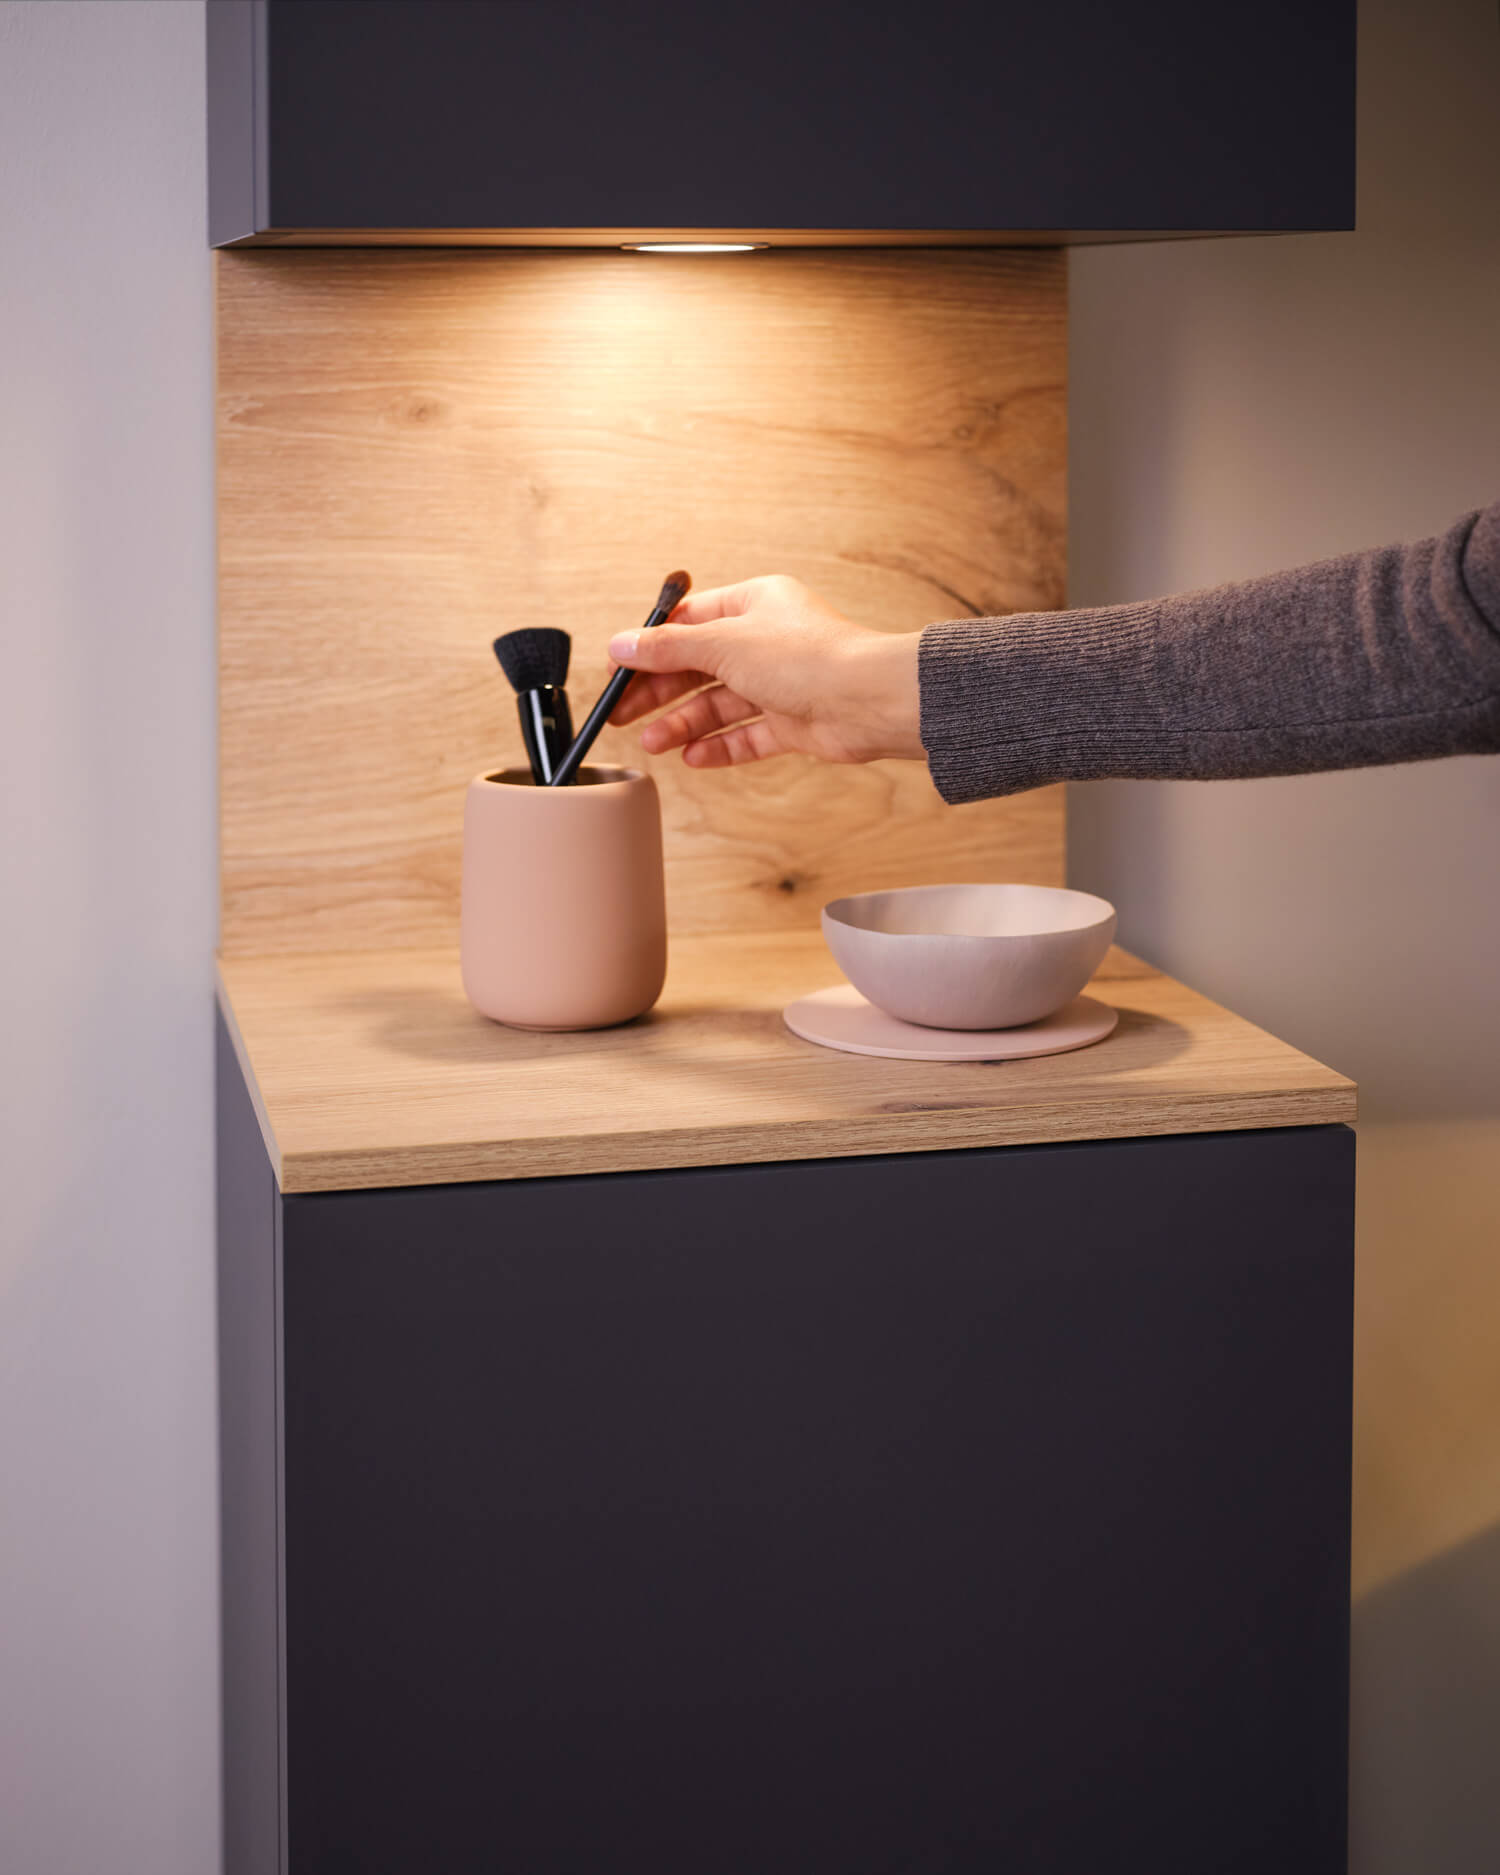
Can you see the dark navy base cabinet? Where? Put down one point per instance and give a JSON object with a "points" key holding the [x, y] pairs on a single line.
{"points": [[962, 1512]]}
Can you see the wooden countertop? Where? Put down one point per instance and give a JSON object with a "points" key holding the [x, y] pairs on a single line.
{"points": [[369, 1068]]}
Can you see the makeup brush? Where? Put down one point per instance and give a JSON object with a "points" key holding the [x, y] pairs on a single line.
{"points": [[674, 587], [536, 662]]}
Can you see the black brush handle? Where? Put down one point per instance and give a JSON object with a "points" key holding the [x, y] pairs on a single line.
{"points": [[600, 714], [546, 729], [597, 717]]}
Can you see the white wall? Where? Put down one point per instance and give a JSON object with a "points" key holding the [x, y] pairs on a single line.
{"points": [[108, 1564], [1238, 406]]}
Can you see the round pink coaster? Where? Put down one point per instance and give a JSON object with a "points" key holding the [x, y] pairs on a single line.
{"points": [[841, 1018]]}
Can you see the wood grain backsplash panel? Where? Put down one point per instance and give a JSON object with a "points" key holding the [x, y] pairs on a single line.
{"points": [[419, 450]]}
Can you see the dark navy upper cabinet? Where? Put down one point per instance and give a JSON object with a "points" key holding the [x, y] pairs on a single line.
{"points": [[589, 121]]}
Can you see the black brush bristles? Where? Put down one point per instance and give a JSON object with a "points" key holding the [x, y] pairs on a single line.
{"points": [[536, 662], [534, 658], [675, 588]]}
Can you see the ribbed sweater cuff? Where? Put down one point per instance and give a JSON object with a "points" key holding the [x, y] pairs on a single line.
{"points": [[1014, 703]]}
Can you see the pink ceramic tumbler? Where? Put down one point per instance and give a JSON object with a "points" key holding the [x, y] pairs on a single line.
{"points": [[564, 918]]}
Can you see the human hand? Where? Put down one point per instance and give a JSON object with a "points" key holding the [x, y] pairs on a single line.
{"points": [[768, 668]]}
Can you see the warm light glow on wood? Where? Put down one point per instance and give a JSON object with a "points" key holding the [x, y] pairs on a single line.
{"points": [[420, 450], [693, 247]]}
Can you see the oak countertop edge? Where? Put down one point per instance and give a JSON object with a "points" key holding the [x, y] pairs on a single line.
{"points": [[392, 1167], [330, 1087]]}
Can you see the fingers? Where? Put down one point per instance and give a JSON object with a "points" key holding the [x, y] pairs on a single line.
{"points": [[709, 711], [667, 648], [648, 694], [715, 602], [746, 742]]}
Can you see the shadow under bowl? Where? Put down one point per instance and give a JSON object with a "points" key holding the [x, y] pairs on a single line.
{"points": [[970, 956]]}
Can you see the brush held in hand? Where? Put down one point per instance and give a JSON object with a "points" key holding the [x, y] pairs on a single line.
{"points": [[536, 662], [674, 589]]}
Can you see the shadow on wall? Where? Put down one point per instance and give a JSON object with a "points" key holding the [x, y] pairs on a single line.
{"points": [[1425, 1741], [1356, 915], [1238, 406], [1426, 1322]]}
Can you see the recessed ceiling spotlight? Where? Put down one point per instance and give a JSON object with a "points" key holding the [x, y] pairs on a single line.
{"points": [[693, 247]]}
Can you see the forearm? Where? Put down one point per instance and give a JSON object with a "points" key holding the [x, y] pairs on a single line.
{"points": [[1386, 656]]}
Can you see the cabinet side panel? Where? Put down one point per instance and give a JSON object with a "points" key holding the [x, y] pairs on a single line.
{"points": [[247, 1222], [233, 41], [957, 1512]]}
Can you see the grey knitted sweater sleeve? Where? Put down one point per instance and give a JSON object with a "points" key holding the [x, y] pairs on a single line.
{"points": [[1386, 656]]}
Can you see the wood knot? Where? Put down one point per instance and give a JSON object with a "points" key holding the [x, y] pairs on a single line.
{"points": [[424, 411]]}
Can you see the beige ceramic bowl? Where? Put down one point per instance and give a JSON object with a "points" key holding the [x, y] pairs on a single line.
{"points": [[970, 956]]}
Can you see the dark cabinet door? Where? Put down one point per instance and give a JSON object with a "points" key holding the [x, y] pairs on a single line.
{"points": [[953, 1512], [965, 115]]}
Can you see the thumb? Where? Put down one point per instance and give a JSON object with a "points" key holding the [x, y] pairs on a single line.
{"points": [[667, 648]]}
